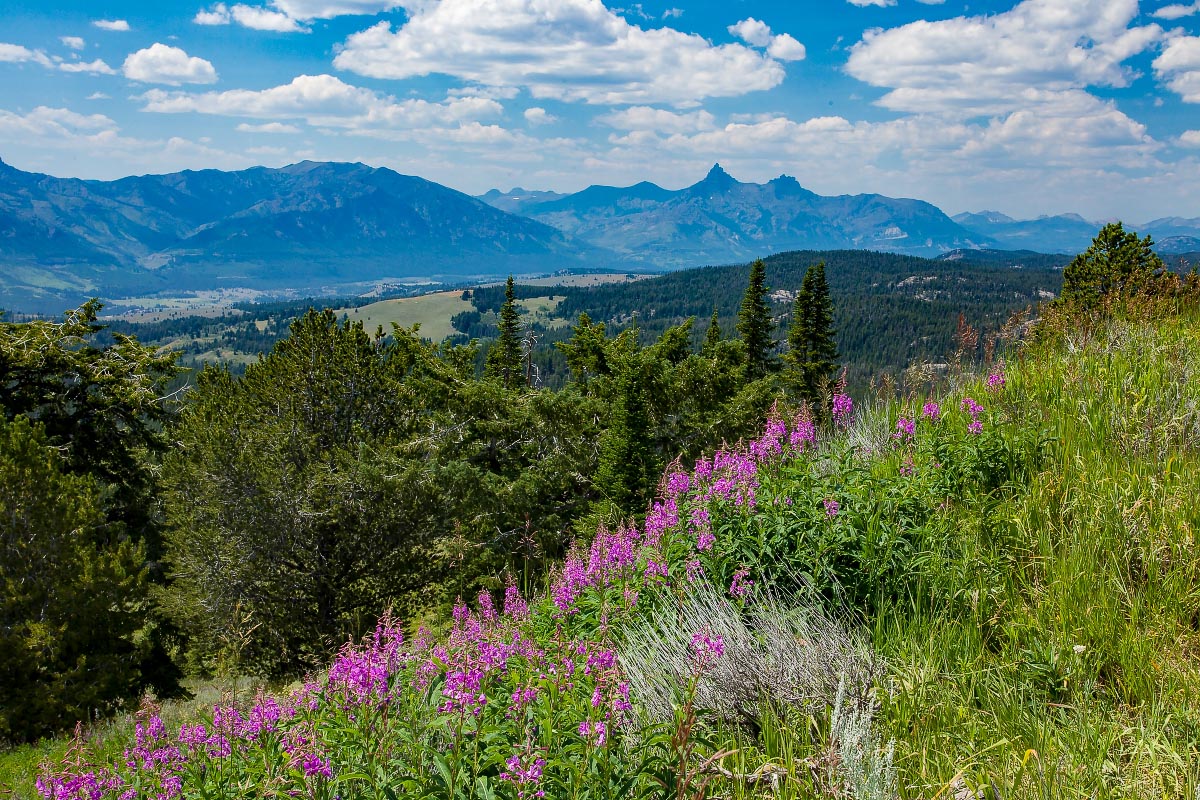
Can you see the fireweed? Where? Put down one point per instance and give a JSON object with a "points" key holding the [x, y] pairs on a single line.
{"points": [[526, 697]]}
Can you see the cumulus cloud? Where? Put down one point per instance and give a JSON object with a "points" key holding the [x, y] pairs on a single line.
{"points": [[73, 42], [757, 33], [574, 50], [539, 116], [1178, 11], [97, 67], [97, 96], [323, 101], [1190, 138], [55, 122], [161, 63], [752, 31], [268, 127], [983, 64], [111, 24], [786, 48], [644, 118], [255, 17], [16, 54], [1178, 66]]}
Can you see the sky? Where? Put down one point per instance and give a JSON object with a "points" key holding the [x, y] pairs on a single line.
{"points": [[1028, 108]]}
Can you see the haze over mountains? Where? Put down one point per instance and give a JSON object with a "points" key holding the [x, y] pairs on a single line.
{"points": [[320, 227]]}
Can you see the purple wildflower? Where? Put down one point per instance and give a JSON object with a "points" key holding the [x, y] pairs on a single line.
{"points": [[843, 411], [832, 507]]}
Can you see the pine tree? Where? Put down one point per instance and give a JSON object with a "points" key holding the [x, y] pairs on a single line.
{"points": [[812, 348], [754, 323], [623, 477], [713, 337], [1116, 263], [504, 358]]}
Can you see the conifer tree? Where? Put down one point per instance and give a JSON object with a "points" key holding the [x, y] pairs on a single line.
{"points": [[504, 358], [1116, 263], [812, 348], [713, 337], [754, 323]]}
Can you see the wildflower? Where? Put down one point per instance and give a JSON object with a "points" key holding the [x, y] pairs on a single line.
{"points": [[995, 379], [314, 765], [678, 484], [706, 649], [906, 430], [804, 433], [832, 507], [740, 587], [932, 411], [596, 730], [694, 570], [514, 605], [526, 778], [843, 411]]}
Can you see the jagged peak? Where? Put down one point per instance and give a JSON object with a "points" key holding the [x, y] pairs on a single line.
{"points": [[717, 178]]}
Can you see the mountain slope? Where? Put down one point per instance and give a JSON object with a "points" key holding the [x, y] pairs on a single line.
{"points": [[302, 227], [720, 220]]}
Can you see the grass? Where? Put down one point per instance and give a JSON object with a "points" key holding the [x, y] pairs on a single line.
{"points": [[431, 311], [1040, 634], [106, 739]]}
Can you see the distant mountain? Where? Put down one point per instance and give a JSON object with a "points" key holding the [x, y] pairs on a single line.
{"points": [[1064, 233], [307, 227], [1071, 233], [514, 200], [721, 220]]}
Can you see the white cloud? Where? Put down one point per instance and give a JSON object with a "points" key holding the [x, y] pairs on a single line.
{"points": [[111, 24], [267, 127], [324, 101], [1178, 11], [263, 19], [568, 50], [255, 17], [161, 63], [865, 3], [644, 118], [73, 42], [94, 139], [539, 116], [786, 48], [671, 13], [15, 53], [981, 65], [783, 47], [328, 9], [54, 122], [97, 96], [97, 67], [752, 31], [1179, 67], [217, 15], [1190, 138]]}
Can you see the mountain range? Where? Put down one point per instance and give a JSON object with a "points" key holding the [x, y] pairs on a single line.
{"points": [[319, 227], [309, 226], [723, 220]]}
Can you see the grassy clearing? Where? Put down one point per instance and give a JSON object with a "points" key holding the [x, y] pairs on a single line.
{"points": [[431, 311]]}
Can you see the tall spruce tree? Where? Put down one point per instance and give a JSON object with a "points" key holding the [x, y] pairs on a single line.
{"points": [[754, 323], [812, 347], [713, 337], [504, 358]]}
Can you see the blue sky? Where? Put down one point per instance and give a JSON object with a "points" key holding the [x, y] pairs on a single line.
{"points": [[1033, 107]]}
